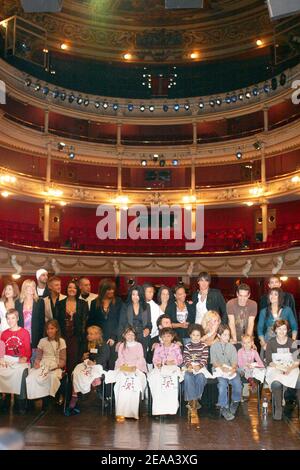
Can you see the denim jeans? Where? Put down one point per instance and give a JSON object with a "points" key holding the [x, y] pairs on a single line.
{"points": [[223, 390], [193, 386]]}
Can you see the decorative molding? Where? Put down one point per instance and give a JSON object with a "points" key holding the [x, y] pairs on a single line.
{"points": [[104, 30], [14, 80], [37, 190], [257, 264], [20, 138]]}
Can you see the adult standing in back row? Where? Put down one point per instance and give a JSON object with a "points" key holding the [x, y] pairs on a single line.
{"points": [[206, 299], [241, 313]]}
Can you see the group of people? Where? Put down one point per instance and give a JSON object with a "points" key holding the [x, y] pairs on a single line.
{"points": [[97, 339]]}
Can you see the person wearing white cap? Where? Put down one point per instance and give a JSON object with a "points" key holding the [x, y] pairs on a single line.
{"points": [[42, 278]]}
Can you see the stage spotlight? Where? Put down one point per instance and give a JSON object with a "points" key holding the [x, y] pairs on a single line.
{"points": [[97, 104], [130, 107], [186, 106], [63, 96], [228, 99], [162, 162], [37, 87], [201, 105], [61, 145], [255, 91], [79, 100], [115, 107], [55, 93], [219, 101], [175, 162], [142, 108], [234, 99], [71, 153], [176, 107], [241, 96], [266, 88], [257, 145], [274, 83], [105, 105], [155, 157], [212, 103], [165, 108], [238, 154], [27, 82], [144, 162], [282, 79], [86, 102], [248, 94], [45, 90], [151, 108], [71, 98]]}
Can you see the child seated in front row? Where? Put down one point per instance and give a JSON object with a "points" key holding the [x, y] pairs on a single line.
{"points": [[223, 357], [248, 360], [44, 378], [90, 371], [15, 363], [195, 356], [163, 379], [129, 375]]}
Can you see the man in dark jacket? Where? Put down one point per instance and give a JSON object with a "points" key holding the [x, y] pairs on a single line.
{"points": [[208, 299]]}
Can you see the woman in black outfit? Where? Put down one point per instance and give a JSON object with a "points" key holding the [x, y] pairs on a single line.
{"points": [[105, 313], [136, 314], [181, 312], [72, 319]]}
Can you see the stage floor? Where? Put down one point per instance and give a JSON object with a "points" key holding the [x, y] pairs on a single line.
{"points": [[92, 431]]}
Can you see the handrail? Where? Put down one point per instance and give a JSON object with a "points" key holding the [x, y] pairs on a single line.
{"points": [[133, 142], [176, 254]]}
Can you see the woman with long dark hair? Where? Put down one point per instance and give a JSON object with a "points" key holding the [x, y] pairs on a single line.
{"points": [[276, 310], [105, 313], [136, 314], [181, 312], [165, 298], [72, 318]]}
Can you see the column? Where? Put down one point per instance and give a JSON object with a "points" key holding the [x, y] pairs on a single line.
{"points": [[264, 214], [46, 121], [119, 176], [263, 166], [119, 133], [48, 167], [195, 137], [266, 119], [46, 220], [193, 177]]}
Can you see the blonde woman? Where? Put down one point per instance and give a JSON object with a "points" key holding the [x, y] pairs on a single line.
{"points": [[89, 372], [210, 323], [31, 311], [9, 296]]}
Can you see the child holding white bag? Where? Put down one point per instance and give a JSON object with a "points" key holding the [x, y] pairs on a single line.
{"points": [[163, 379], [90, 371], [129, 375], [250, 365], [44, 378]]}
